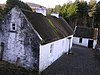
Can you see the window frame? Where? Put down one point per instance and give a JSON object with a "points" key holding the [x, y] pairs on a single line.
{"points": [[12, 27]]}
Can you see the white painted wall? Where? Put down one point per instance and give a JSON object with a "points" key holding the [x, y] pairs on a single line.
{"points": [[59, 47], [84, 41], [94, 44]]}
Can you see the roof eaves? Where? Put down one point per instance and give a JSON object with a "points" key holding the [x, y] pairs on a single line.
{"points": [[31, 25]]}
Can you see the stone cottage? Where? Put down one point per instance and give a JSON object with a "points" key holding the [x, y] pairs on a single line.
{"points": [[33, 40], [85, 36]]}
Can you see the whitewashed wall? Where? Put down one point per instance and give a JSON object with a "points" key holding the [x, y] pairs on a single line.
{"points": [[84, 42], [94, 44], [59, 47]]}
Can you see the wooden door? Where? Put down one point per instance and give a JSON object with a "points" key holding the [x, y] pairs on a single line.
{"points": [[90, 43]]}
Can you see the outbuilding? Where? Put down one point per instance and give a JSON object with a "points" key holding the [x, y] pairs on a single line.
{"points": [[85, 36]]}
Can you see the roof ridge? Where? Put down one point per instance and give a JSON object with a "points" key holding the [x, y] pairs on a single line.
{"points": [[26, 10]]}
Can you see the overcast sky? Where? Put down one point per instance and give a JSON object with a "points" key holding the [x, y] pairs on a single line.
{"points": [[46, 3]]}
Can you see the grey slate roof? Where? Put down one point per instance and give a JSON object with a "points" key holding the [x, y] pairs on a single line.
{"points": [[84, 32], [49, 28]]}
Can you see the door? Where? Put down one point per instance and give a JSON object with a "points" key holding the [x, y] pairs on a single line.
{"points": [[90, 43], [1, 50]]}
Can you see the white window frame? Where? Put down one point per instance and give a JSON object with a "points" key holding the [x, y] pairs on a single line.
{"points": [[13, 27]]}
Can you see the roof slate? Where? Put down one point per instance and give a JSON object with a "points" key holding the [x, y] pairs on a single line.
{"points": [[49, 28], [84, 32]]}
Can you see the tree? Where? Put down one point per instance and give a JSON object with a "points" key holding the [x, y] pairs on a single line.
{"points": [[71, 11], [12, 3], [97, 14], [92, 10], [1, 13], [68, 11], [64, 10], [82, 13], [57, 8], [92, 7], [79, 13]]}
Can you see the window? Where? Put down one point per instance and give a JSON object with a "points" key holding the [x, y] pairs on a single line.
{"points": [[13, 27], [80, 40], [51, 48]]}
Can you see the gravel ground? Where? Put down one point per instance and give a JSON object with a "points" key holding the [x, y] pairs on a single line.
{"points": [[81, 62]]}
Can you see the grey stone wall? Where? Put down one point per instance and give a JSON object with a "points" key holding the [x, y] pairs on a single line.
{"points": [[21, 47]]}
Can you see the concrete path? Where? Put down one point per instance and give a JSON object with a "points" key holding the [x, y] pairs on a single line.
{"points": [[81, 62]]}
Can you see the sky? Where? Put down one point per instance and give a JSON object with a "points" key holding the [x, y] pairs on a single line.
{"points": [[46, 3]]}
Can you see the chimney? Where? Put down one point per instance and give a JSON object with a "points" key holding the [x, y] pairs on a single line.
{"points": [[56, 14], [41, 10]]}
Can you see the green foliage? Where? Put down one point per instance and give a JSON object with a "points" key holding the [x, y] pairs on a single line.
{"points": [[1, 13], [82, 8], [82, 13], [92, 7], [97, 14], [64, 10], [12, 3], [56, 30], [57, 8], [77, 13], [71, 10], [68, 11]]}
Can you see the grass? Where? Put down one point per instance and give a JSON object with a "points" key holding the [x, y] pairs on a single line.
{"points": [[56, 30], [10, 69]]}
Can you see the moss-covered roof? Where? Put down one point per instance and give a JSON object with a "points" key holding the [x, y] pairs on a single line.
{"points": [[84, 32], [49, 28]]}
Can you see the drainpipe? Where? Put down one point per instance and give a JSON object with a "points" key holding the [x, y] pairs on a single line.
{"points": [[69, 52]]}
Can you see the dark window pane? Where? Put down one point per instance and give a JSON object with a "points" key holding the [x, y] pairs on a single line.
{"points": [[13, 28], [13, 24], [80, 40]]}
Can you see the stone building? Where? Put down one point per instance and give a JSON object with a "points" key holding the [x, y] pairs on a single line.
{"points": [[33, 40]]}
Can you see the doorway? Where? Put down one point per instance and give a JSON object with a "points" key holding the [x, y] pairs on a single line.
{"points": [[1, 50], [90, 44]]}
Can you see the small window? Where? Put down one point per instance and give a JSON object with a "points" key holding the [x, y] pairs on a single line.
{"points": [[13, 27], [51, 48], [63, 43], [80, 40]]}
